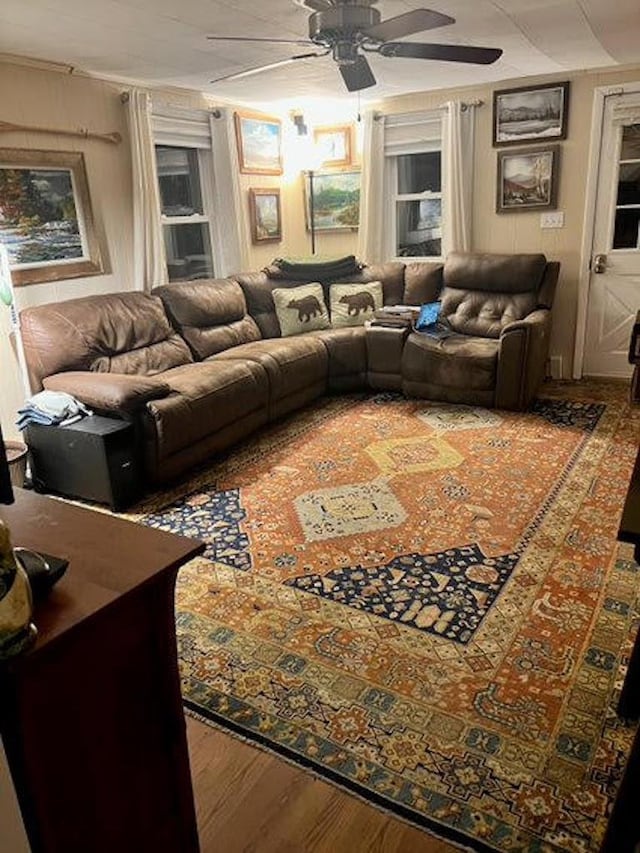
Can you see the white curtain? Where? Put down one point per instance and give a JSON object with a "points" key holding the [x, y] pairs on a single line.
{"points": [[230, 219], [371, 243], [149, 263], [457, 184]]}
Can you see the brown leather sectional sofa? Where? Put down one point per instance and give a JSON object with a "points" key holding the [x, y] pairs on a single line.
{"points": [[200, 364]]}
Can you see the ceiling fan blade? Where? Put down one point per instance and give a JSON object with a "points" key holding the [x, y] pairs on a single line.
{"points": [[358, 75], [248, 72], [267, 41], [445, 52], [408, 23]]}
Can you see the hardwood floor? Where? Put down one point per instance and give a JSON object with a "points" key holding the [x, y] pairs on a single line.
{"points": [[249, 801]]}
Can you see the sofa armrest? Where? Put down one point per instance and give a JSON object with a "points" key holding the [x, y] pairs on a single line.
{"points": [[109, 392], [540, 316], [522, 357]]}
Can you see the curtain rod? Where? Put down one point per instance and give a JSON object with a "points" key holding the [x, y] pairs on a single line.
{"points": [[215, 113], [464, 106], [82, 133]]}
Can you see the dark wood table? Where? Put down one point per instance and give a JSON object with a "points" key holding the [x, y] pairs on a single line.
{"points": [[91, 717]]}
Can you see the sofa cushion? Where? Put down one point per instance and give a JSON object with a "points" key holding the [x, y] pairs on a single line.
{"points": [[494, 273], [346, 350], [117, 333], [291, 363], [458, 361], [300, 309], [206, 397], [474, 312], [422, 282], [210, 314], [354, 304]]}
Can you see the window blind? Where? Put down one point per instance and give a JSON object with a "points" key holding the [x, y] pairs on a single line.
{"points": [[409, 133]]}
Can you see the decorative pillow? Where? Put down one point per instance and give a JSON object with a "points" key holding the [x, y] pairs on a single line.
{"points": [[352, 304], [300, 309]]}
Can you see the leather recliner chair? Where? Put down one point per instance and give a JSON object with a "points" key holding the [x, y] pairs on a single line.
{"points": [[499, 308]]}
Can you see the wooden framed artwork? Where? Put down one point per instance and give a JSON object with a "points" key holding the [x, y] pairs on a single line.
{"points": [[336, 200], [259, 141], [530, 114], [528, 179], [334, 145], [264, 211], [46, 221]]}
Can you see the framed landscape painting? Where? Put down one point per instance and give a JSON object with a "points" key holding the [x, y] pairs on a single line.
{"points": [[530, 114], [528, 179], [336, 200], [259, 142], [46, 222], [264, 210]]}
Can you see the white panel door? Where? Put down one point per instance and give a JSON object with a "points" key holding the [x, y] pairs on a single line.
{"points": [[614, 287]]}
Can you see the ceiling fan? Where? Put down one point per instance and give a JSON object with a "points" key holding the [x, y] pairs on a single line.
{"points": [[348, 29]]}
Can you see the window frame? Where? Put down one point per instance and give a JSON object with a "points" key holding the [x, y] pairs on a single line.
{"points": [[419, 137], [176, 127]]}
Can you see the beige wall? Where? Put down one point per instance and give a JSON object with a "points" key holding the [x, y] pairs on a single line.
{"points": [[33, 96]]}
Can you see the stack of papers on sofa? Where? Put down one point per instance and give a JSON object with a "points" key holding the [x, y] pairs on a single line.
{"points": [[396, 316]]}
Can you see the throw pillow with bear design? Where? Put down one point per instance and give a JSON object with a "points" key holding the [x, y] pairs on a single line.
{"points": [[354, 304]]}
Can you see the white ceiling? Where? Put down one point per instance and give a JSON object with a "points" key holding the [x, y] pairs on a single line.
{"points": [[163, 42]]}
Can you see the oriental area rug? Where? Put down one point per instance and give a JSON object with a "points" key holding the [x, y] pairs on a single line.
{"points": [[425, 604]]}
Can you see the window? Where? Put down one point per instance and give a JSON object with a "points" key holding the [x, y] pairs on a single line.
{"points": [[413, 185], [185, 222], [185, 180], [627, 213]]}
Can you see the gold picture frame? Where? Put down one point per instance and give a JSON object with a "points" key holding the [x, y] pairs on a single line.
{"points": [[336, 143], [46, 220], [259, 141], [265, 214]]}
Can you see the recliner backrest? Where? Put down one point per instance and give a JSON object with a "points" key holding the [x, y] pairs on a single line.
{"points": [[125, 332], [483, 293], [210, 314]]}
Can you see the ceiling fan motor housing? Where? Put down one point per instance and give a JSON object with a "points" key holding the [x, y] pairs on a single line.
{"points": [[339, 27]]}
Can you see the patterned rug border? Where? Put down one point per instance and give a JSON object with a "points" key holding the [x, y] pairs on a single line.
{"points": [[439, 831]]}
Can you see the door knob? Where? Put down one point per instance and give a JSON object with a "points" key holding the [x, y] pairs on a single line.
{"points": [[599, 263]]}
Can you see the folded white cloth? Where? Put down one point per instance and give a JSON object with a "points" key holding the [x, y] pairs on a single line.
{"points": [[51, 407]]}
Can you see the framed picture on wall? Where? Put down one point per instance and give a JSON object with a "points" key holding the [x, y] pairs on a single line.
{"points": [[259, 141], [333, 145], [335, 199], [264, 211], [528, 179], [530, 114], [46, 221]]}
